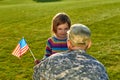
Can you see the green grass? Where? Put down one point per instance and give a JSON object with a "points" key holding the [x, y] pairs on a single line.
{"points": [[32, 20]]}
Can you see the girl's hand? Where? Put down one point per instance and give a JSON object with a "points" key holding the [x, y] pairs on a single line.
{"points": [[37, 62]]}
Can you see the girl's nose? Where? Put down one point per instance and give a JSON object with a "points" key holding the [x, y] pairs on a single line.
{"points": [[64, 31]]}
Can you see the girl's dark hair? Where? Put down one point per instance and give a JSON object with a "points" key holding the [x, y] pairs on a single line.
{"points": [[59, 19]]}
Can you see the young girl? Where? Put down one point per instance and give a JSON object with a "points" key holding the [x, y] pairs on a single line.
{"points": [[58, 42]]}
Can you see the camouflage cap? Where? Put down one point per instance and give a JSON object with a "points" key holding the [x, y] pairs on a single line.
{"points": [[79, 34]]}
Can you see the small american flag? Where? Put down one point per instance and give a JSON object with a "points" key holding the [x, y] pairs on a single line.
{"points": [[21, 48]]}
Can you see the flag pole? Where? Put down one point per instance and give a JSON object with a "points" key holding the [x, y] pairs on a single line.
{"points": [[32, 54]]}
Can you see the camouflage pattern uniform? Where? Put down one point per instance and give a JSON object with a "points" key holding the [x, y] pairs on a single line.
{"points": [[70, 65]]}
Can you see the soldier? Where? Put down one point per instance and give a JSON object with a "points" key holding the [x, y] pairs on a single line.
{"points": [[74, 64]]}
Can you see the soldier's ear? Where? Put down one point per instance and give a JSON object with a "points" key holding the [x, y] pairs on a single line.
{"points": [[89, 44], [69, 44]]}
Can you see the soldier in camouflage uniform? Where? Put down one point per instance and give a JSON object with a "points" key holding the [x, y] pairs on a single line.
{"points": [[74, 64]]}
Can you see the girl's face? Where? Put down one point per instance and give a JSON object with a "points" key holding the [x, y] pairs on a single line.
{"points": [[62, 31]]}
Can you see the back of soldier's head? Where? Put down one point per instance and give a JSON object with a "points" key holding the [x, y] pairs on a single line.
{"points": [[79, 34]]}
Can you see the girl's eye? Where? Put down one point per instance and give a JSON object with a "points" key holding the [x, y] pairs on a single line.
{"points": [[66, 28], [59, 29]]}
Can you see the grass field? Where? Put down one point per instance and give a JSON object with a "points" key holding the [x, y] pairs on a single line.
{"points": [[32, 19]]}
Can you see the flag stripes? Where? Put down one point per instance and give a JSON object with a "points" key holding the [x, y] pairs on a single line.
{"points": [[16, 51], [23, 50]]}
